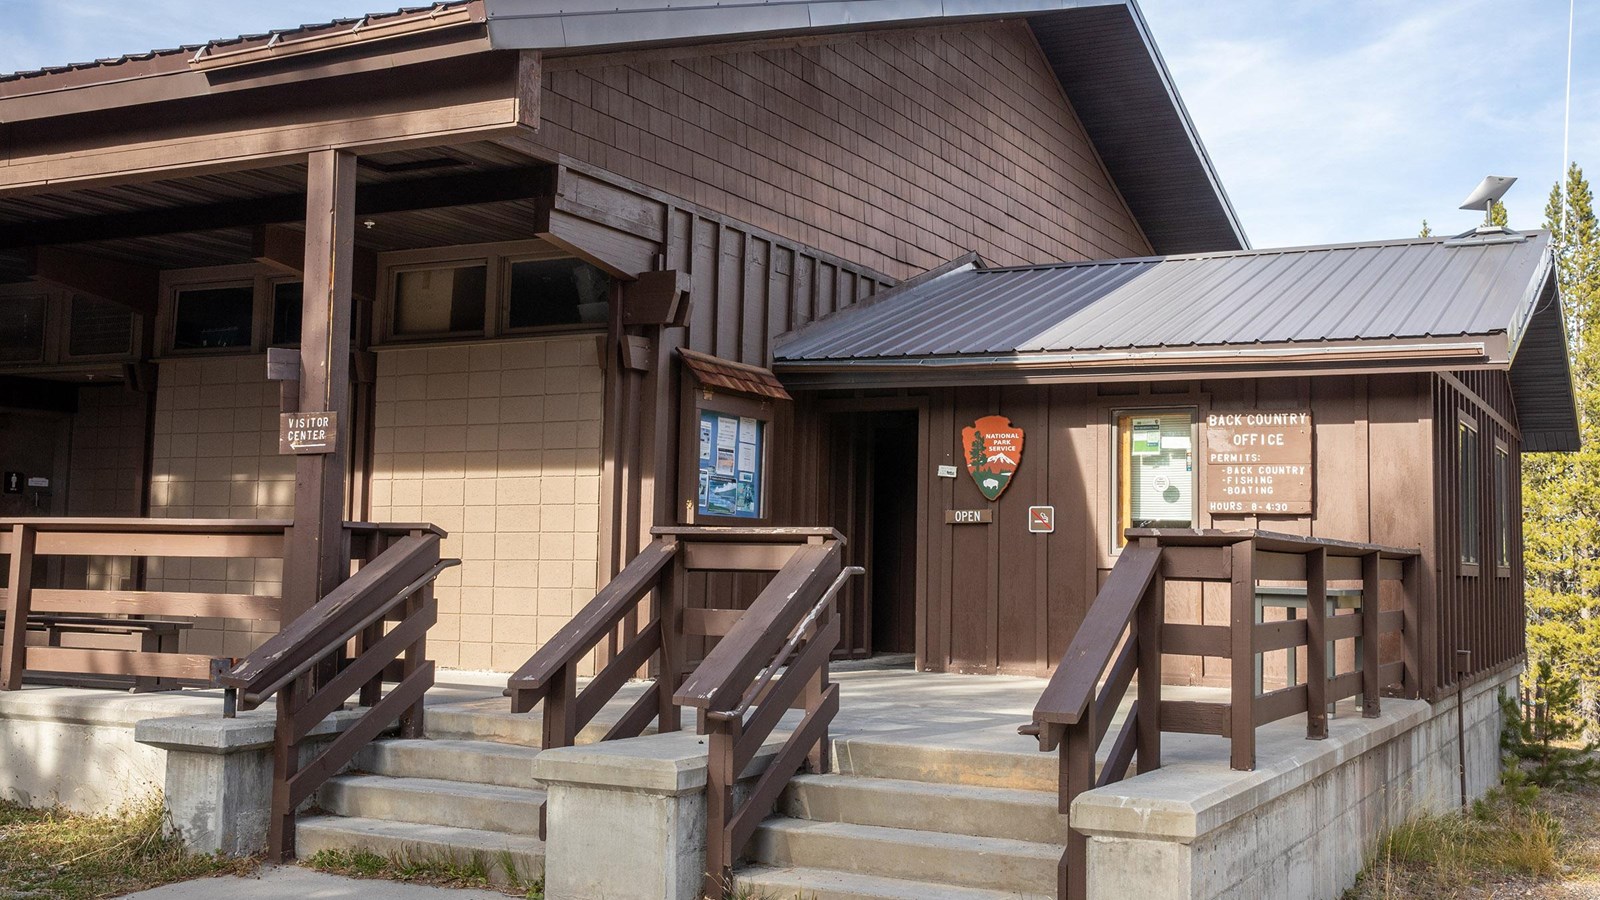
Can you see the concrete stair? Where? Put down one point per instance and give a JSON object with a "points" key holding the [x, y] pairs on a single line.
{"points": [[919, 823], [461, 800]]}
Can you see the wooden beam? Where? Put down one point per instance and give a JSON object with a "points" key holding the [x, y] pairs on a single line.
{"points": [[315, 564], [283, 248], [136, 287], [375, 199]]}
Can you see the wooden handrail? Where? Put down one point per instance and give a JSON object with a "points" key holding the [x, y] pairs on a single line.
{"points": [[305, 667], [1124, 635], [644, 639], [591, 625], [1072, 687], [743, 671], [720, 679]]}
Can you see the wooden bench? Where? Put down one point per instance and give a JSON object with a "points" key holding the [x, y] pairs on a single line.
{"points": [[143, 635]]}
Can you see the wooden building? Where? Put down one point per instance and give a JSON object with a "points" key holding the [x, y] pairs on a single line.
{"points": [[662, 323], [537, 223]]}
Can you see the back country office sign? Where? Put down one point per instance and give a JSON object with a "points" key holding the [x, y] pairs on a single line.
{"points": [[1258, 462]]}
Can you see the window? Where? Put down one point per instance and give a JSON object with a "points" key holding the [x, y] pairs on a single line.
{"points": [[22, 329], [1469, 491], [99, 328], [213, 318], [286, 305], [547, 292], [1155, 470], [1504, 504], [440, 301]]}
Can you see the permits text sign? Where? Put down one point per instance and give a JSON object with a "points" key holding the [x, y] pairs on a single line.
{"points": [[1258, 462]]}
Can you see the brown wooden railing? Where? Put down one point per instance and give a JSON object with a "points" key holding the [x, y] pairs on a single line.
{"points": [[790, 628], [23, 541], [650, 588], [1125, 635], [384, 612]]}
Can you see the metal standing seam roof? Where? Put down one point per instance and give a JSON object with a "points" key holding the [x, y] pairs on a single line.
{"points": [[1347, 296], [1401, 289]]}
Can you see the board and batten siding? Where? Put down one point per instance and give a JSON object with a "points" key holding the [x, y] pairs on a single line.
{"points": [[897, 149], [999, 599]]}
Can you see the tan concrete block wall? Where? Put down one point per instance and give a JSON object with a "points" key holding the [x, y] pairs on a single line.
{"points": [[499, 444], [215, 455], [107, 463]]}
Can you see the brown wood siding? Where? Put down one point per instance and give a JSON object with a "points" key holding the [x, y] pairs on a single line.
{"points": [[1483, 611], [895, 149], [999, 599]]}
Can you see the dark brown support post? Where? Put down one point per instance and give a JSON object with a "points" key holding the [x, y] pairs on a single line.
{"points": [[720, 779], [1317, 644], [1411, 644], [1078, 745], [19, 602], [669, 599], [1147, 631], [314, 564], [1371, 639], [560, 724], [285, 765], [1242, 705], [412, 723]]}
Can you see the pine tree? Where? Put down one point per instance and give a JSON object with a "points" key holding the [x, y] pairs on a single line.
{"points": [[1561, 491], [1497, 213], [976, 454], [1427, 230]]}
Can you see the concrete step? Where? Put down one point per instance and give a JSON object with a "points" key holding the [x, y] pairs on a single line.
{"points": [[996, 864], [498, 853], [948, 760], [825, 884], [491, 719], [475, 762], [431, 801], [925, 806]]}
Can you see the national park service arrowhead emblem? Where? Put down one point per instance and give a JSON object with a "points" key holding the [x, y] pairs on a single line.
{"points": [[993, 447]]}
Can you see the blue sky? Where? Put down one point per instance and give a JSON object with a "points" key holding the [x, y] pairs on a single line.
{"points": [[1327, 121]]}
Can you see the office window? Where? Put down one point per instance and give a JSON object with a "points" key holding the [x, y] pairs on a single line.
{"points": [[1504, 503], [286, 304], [447, 300], [213, 318], [546, 292], [1155, 471], [99, 328], [1469, 491], [22, 329]]}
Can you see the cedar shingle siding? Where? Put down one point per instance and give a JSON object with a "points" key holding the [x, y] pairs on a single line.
{"points": [[896, 150]]}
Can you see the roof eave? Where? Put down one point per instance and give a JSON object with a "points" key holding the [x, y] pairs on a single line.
{"points": [[1487, 351]]}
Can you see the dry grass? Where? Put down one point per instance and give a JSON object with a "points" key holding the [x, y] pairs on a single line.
{"points": [[57, 855], [480, 872], [1548, 848]]}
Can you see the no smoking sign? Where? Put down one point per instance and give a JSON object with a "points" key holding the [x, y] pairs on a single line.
{"points": [[1042, 519]]}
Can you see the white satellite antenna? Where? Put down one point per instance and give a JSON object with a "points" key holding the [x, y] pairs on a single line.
{"points": [[1486, 194]]}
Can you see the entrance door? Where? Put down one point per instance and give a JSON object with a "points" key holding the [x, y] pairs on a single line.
{"points": [[873, 464], [33, 464]]}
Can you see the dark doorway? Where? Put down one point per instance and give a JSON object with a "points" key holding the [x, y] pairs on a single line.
{"points": [[893, 504]]}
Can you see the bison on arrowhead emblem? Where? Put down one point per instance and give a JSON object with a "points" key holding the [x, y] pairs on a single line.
{"points": [[993, 449]]}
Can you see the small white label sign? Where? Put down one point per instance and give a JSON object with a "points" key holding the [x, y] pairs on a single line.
{"points": [[37, 482], [947, 471]]}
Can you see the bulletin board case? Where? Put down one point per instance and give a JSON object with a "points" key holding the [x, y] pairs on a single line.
{"points": [[725, 445]]}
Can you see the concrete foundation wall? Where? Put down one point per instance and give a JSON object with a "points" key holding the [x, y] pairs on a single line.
{"points": [[1301, 827]]}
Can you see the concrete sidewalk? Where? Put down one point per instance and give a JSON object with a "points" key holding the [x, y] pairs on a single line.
{"points": [[278, 882]]}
